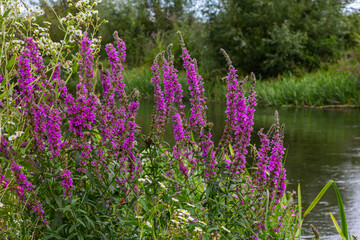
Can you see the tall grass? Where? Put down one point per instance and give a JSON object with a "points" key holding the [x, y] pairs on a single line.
{"points": [[323, 87]]}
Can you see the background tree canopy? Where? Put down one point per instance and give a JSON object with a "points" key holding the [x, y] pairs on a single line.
{"points": [[268, 37]]}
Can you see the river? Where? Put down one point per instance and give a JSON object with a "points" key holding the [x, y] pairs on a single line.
{"points": [[322, 145]]}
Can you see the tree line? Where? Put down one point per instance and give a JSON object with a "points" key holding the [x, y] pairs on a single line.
{"points": [[268, 37]]}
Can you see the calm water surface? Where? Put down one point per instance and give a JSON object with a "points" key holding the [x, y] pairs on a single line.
{"points": [[322, 144]]}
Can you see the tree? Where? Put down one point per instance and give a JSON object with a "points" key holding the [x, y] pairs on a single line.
{"points": [[274, 36]]}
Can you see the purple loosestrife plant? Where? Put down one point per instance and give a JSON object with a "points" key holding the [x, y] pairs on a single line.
{"points": [[197, 120], [240, 119], [43, 116], [196, 86], [180, 139], [117, 124], [23, 186], [271, 172], [160, 109]]}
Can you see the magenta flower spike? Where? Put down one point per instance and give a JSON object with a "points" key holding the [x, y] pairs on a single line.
{"points": [[67, 182], [196, 86], [271, 173], [240, 119], [160, 110]]}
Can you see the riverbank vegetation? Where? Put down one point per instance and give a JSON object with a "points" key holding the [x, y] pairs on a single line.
{"points": [[318, 88], [75, 165]]}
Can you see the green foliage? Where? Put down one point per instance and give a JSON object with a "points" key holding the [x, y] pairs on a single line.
{"points": [[343, 230], [322, 87], [276, 36]]}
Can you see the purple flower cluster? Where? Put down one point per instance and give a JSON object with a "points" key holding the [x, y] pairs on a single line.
{"points": [[23, 185], [67, 182], [42, 114], [207, 153], [117, 124], [179, 134], [160, 111], [271, 172], [82, 113], [197, 118], [240, 119]]}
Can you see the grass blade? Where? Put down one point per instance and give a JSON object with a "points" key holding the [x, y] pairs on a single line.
{"points": [[298, 232], [342, 212], [318, 197], [337, 227]]}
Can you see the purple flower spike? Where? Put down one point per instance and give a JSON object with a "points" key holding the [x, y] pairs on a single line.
{"points": [[240, 119], [160, 113], [271, 173], [207, 153], [67, 182], [86, 65], [196, 86], [116, 58]]}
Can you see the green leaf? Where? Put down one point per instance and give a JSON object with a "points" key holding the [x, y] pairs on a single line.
{"points": [[58, 201], [342, 212], [11, 62], [75, 67], [192, 136], [73, 228], [337, 226], [6, 13], [231, 149], [28, 166], [143, 202], [298, 232], [318, 197], [71, 236]]}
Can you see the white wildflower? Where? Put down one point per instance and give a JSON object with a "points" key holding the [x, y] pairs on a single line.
{"points": [[227, 230], [175, 221], [12, 137], [19, 133]]}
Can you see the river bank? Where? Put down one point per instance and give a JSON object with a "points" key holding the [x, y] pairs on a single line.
{"points": [[321, 89]]}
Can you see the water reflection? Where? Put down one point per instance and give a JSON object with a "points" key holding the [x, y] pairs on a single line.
{"points": [[322, 144]]}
